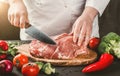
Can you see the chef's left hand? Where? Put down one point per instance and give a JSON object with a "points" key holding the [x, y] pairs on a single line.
{"points": [[82, 27]]}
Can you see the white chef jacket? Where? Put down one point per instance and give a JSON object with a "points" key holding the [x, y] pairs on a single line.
{"points": [[54, 17]]}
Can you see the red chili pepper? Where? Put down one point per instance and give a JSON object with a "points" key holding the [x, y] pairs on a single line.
{"points": [[104, 61], [3, 45]]}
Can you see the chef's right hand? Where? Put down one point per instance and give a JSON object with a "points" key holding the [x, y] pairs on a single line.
{"points": [[17, 13]]}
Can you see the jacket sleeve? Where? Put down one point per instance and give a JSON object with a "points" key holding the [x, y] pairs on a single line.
{"points": [[99, 5]]}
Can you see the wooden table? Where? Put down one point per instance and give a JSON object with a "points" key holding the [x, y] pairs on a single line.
{"points": [[113, 70]]}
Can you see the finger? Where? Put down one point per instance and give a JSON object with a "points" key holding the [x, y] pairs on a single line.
{"points": [[12, 19], [76, 31], [9, 17], [17, 21], [82, 35], [88, 34], [26, 22], [87, 38], [22, 22], [76, 34], [70, 33]]}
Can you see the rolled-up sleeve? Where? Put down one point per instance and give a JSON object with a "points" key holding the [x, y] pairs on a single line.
{"points": [[99, 5]]}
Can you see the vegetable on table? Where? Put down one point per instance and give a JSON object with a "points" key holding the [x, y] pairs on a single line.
{"points": [[3, 49], [104, 61], [33, 68], [47, 69], [94, 42], [30, 69], [110, 43], [6, 66], [7, 48], [3, 45], [3, 56], [12, 50], [19, 60]]}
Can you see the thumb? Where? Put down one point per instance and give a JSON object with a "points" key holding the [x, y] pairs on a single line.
{"points": [[71, 33]]}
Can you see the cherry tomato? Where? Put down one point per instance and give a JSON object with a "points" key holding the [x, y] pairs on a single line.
{"points": [[94, 42], [30, 69], [19, 60]]}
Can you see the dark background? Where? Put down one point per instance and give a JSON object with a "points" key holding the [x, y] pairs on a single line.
{"points": [[109, 22]]}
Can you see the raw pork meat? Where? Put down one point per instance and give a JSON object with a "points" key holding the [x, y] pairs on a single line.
{"points": [[65, 48]]}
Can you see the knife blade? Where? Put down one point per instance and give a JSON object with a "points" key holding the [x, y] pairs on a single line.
{"points": [[37, 34]]}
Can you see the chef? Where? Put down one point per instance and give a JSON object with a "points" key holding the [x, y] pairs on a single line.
{"points": [[53, 17]]}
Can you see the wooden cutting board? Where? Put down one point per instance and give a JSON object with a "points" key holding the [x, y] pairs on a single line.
{"points": [[80, 60]]}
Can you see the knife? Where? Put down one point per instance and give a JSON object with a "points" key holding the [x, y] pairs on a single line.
{"points": [[37, 34]]}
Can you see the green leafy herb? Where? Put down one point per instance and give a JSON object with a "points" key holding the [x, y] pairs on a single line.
{"points": [[12, 50]]}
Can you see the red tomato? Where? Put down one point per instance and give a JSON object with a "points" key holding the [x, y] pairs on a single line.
{"points": [[94, 42], [30, 69], [19, 60], [4, 45]]}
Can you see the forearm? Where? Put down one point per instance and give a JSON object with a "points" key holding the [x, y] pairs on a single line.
{"points": [[90, 12], [99, 5]]}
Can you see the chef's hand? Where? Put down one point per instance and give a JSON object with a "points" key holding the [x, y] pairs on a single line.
{"points": [[82, 27], [17, 13]]}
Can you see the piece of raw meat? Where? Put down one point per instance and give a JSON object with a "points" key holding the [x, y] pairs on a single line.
{"points": [[64, 49]]}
